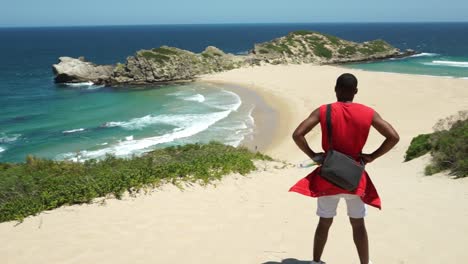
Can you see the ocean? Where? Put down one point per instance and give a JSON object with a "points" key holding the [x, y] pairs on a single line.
{"points": [[85, 121]]}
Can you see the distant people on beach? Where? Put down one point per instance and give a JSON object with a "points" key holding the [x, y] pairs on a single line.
{"points": [[351, 124]]}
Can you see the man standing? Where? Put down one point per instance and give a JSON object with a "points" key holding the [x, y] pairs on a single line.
{"points": [[351, 124]]}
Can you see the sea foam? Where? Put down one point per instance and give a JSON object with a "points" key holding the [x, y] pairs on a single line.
{"points": [[4, 138], [195, 98], [176, 120], [131, 146], [2, 149], [461, 64], [424, 54], [73, 130], [79, 84]]}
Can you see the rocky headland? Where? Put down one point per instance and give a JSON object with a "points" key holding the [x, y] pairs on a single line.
{"points": [[170, 64]]}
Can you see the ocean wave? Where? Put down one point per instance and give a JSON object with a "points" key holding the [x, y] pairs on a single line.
{"points": [[460, 64], [176, 120], [189, 127], [195, 98], [9, 138], [2, 149], [79, 84], [424, 54], [232, 107], [73, 130]]}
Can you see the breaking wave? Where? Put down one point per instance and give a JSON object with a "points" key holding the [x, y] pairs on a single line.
{"points": [[79, 84], [460, 64], [9, 139], [424, 54], [195, 98], [73, 130], [189, 127]]}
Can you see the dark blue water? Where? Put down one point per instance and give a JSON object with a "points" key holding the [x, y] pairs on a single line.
{"points": [[29, 97]]}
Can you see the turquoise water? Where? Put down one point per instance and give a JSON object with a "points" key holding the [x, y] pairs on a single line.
{"points": [[86, 121], [79, 122], [422, 64]]}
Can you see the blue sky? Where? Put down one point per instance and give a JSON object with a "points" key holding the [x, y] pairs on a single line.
{"points": [[119, 12]]}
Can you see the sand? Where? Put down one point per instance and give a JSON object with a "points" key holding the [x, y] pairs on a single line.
{"points": [[253, 219]]}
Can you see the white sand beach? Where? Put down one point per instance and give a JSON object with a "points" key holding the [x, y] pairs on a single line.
{"points": [[253, 218]]}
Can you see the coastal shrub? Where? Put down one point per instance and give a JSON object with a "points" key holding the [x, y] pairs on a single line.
{"points": [[333, 40], [154, 56], [377, 46], [279, 48], [164, 50], [419, 146], [41, 184], [313, 39], [448, 146], [301, 32], [321, 51], [450, 150], [348, 50]]}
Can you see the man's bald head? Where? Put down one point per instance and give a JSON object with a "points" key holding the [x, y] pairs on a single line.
{"points": [[346, 87]]}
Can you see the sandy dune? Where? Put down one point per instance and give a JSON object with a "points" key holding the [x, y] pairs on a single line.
{"points": [[253, 219]]}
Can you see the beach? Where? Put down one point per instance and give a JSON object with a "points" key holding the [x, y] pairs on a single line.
{"points": [[253, 218]]}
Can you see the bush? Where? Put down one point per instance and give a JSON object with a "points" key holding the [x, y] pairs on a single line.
{"points": [[40, 184], [450, 150], [321, 51], [448, 146], [419, 146]]}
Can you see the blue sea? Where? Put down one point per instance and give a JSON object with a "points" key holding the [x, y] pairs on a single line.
{"points": [[85, 121]]}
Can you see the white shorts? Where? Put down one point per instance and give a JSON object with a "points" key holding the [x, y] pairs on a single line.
{"points": [[326, 205]]}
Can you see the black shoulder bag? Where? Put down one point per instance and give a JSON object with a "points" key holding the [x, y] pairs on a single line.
{"points": [[338, 168]]}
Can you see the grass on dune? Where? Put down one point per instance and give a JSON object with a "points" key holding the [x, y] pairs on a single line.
{"points": [[448, 146], [41, 184]]}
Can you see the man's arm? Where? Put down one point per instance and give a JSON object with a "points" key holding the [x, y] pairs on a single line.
{"points": [[386, 130], [305, 127]]}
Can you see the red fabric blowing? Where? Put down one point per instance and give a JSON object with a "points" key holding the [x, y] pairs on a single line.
{"points": [[351, 123]]}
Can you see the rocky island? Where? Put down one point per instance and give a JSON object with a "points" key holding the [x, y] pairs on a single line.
{"points": [[170, 64]]}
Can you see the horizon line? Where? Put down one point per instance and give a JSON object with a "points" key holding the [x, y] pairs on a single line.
{"points": [[235, 23]]}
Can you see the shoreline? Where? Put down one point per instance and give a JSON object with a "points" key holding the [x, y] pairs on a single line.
{"points": [[263, 222], [267, 130], [292, 110]]}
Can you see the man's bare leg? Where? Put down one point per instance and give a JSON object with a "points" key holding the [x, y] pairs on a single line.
{"points": [[321, 236], [360, 239]]}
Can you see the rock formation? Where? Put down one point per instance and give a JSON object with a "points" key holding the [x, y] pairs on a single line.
{"points": [[168, 64], [71, 70]]}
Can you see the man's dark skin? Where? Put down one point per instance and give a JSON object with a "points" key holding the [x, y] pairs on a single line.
{"points": [[391, 139]]}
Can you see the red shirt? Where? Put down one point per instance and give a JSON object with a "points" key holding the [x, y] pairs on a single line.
{"points": [[351, 123]]}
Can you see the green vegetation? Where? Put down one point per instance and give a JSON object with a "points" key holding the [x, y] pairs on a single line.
{"points": [[164, 50], [159, 55], [207, 55], [313, 39], [120, 66], [40, 184], [280, 48], [448, 146], [375, 46], [348, 50], [153, 56], [301, 32], [419, 146], [321, 51], [333, 40]]}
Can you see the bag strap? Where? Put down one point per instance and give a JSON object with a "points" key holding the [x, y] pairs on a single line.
{"points": [[329, 127]]}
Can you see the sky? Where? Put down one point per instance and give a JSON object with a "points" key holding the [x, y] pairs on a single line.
{"points": [[26, 13]]}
